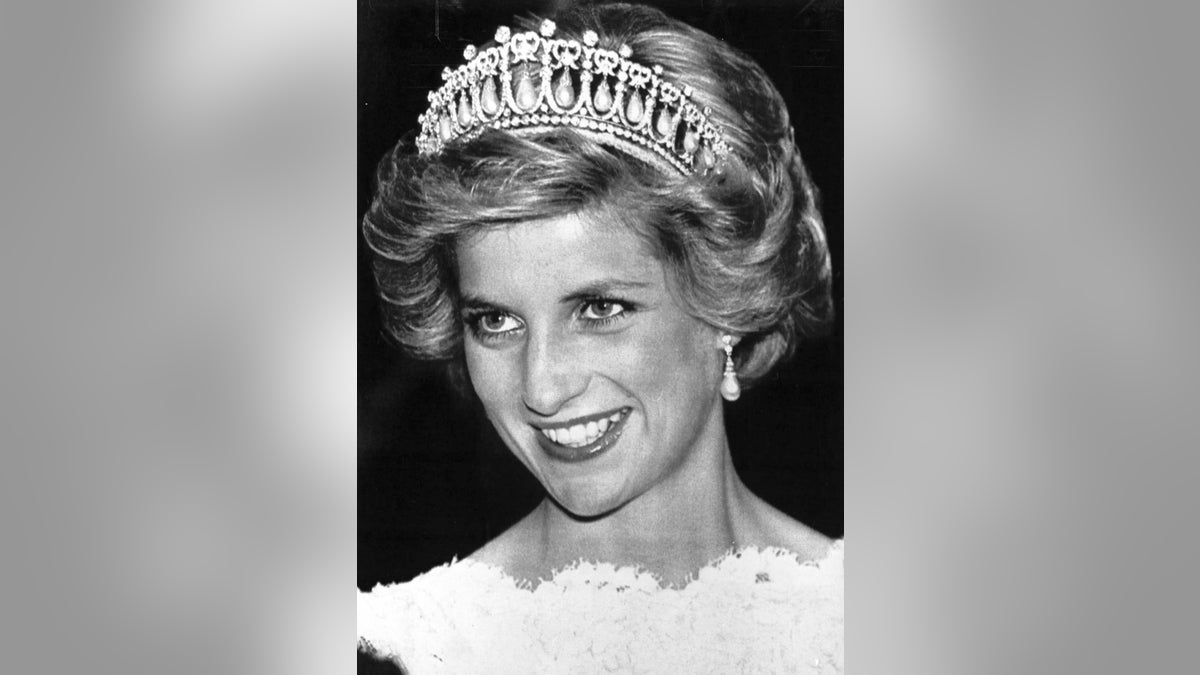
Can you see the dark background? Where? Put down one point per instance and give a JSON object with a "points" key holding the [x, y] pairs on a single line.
{"points": [[434, 480]]}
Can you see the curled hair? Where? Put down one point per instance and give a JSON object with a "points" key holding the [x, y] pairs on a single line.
{"points": [[745, 245]]}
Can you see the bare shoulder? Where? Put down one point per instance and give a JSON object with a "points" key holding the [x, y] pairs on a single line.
{"points": [[775, 528]]}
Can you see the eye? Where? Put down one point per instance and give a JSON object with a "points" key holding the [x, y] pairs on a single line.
{"points": [[496, 322], [597, 310]]}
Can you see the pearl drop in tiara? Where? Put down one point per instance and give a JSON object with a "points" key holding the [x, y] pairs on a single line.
{"points": [[598, 92]]}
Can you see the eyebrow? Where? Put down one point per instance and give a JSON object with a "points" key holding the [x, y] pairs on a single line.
{"points": [[476, 302], [604, 287], [595, 289]]}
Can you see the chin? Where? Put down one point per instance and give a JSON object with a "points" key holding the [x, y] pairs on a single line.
{"points": [[587, 506]]}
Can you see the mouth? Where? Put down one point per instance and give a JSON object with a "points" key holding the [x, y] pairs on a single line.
{"points": [[583, 438]]}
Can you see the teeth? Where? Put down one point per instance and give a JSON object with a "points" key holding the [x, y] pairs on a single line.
{"points": [[581, 434], [578, 434]]}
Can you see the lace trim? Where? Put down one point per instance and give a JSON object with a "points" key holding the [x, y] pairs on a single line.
{"points": [[735, 563], [750, 610]]}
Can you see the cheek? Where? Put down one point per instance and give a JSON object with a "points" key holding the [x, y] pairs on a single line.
{"points": [[672, 357], [489, 376]]}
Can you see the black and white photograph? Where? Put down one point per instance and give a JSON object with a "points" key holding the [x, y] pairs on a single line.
{"points": [[599, 337], [641, 306]]}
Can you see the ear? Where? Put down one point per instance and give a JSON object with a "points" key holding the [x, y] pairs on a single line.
{"points": [[734, 339]]}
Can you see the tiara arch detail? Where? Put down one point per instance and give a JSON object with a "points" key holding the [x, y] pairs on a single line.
{"points": [[598, 92]]}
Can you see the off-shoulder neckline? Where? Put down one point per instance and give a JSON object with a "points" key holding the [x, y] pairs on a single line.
{"points": [[747, 559]]}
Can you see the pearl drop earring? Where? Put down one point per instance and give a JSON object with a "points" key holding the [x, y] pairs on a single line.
{"points": [[731, 389]]}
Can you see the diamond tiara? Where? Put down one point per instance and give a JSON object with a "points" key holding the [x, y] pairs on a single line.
{"points": [[598, 92]]}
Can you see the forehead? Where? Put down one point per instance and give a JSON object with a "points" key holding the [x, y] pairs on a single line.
{"points": [[550, 254]]}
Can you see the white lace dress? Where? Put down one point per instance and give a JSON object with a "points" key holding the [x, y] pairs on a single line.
{"points": [[752, 611]]}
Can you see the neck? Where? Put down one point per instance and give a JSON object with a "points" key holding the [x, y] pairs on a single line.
{"points": [[681, 526]]}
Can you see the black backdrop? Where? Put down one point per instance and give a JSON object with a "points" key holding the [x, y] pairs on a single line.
{"points": [[434, 481]]}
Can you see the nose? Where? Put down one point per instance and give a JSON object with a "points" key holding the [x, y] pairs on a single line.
{"points": [[554, 373]]}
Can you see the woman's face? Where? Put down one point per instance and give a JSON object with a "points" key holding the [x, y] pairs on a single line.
{"points": [[592, 373]]}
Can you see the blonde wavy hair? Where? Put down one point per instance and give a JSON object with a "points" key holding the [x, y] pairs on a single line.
{"points": [[745, 246]]}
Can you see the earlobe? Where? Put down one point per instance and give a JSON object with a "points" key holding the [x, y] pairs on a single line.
{"points": [[719, 336]]}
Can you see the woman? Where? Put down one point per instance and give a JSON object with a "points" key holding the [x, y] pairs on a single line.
{"points": [[607, 225]]}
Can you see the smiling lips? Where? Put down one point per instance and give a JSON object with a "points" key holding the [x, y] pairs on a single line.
{"points": [[581, 434], [583, 438]]}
